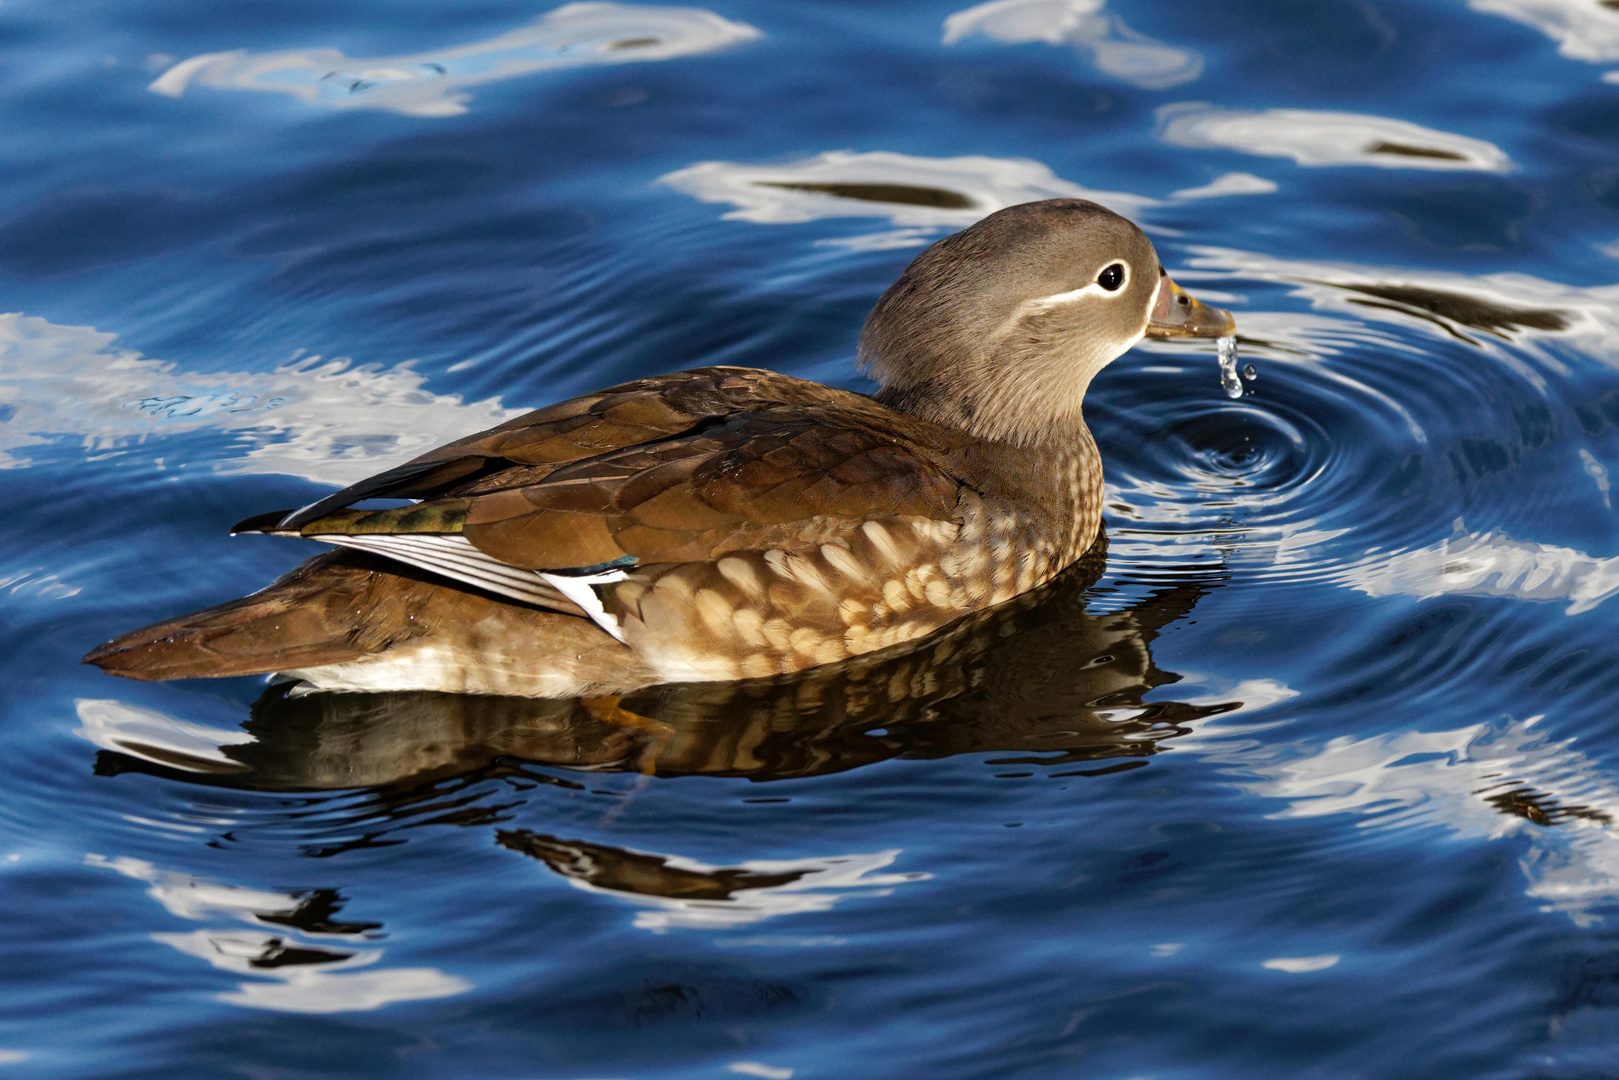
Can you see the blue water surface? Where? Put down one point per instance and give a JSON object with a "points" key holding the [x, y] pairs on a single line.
{"points": [[1313, 773]]}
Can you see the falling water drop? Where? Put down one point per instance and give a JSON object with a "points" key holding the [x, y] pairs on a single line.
{"points": [[1229, 379], [1250, 372]]}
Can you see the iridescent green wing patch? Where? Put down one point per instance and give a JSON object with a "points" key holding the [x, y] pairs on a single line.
{"points": [[439, 516]]}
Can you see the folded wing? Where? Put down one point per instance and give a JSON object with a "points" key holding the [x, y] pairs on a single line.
{"points": [[682, 469]]}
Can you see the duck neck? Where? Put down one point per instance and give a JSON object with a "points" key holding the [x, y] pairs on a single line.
{"points": [[1052, 477], [1023, 414], [1038, 431], [1063, 473]]}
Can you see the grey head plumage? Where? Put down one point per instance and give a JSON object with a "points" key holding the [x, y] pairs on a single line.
{"points": [[999, 329]]}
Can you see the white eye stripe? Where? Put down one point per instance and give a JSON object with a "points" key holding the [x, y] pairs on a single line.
{"points": [[1093, 289]]}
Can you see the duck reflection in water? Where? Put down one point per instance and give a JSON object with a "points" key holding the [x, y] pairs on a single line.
{"points": [[1041, 678]]}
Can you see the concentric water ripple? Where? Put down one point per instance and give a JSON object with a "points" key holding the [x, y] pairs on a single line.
{"points": [[1358, 442]]}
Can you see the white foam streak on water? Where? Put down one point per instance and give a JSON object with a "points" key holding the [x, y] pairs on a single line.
{"points": [[1230, 380]]}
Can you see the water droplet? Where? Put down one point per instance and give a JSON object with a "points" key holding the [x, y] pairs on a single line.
{"points": [[1228, 367], [1250, 373]]}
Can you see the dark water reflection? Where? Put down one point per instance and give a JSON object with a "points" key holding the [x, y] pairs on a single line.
{"points": [[1037, 682]]}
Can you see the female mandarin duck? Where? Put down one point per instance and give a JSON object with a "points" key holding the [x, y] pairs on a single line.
{"points": [[727, 523]]}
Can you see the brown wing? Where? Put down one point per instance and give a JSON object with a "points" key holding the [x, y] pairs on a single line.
{"points": [[765, 462], [775, 478], [530, 447]]}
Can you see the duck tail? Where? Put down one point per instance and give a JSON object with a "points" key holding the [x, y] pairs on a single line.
{"points": [[318, 614]]}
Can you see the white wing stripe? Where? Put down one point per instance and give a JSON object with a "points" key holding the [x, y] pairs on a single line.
{"points": [[581, 589], [512, 583], [454, 557], [428, 556]]}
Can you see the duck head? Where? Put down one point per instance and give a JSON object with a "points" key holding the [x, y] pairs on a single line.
{"points": [[1000, 328]]}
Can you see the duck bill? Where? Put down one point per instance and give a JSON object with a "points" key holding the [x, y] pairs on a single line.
{"points": [[1178, 314]]}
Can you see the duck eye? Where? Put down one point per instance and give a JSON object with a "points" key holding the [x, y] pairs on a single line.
{"points": [[1111, 277]]}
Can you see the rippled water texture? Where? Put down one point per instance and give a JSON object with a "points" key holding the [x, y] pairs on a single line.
{"points": [[1312, 771]]}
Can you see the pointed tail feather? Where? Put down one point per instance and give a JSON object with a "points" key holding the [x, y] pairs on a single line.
{"points": [[324, 612]]}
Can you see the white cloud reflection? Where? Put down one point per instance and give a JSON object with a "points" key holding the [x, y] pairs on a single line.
{"points": [[756, 1068], [37, 581], [156, 737], [1300, 965], [906, 190], [1482, 309], [1583, 29], [291, 970], [188, 897], [1316, 138], [1112, 47], [1472, 564], [1231, 183], [922, 196], [326, 420], [434, 83], [1485, 781], [675, 892], [816, 884], [328, 986]]}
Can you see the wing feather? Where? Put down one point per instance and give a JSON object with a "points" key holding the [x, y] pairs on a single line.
{"points": [[455, 558], [677, 469], [525, 449]]}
